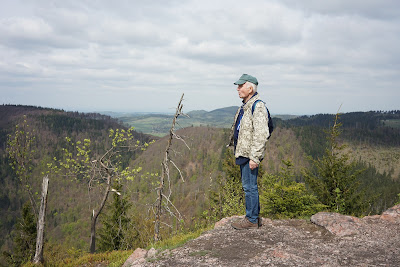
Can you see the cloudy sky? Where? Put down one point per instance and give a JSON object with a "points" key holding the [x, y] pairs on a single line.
{"points": [[309, 56]]}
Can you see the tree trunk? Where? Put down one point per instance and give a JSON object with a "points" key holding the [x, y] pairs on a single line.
{"points": [[96, 215], [33, 203], [41, 222], [93, 234], [158, 206]]}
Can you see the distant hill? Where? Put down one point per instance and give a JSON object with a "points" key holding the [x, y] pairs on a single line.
{"points": [[159, 124], [196, 113], [362, 123], [228, 111]]}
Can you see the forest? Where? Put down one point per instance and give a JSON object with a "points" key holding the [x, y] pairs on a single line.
{"points": [[202, 185]]}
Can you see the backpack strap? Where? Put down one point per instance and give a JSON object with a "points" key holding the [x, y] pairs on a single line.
{"points": [[270, 123], [254, 106]]}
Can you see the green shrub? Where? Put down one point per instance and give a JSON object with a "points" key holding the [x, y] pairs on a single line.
{"points": [[228, 197], [282, 197]]}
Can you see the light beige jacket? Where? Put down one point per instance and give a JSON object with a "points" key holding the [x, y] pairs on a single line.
{"points": [[253, 133]]}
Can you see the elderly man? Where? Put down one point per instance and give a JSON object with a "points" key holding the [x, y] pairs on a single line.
{"points": [[249, 136]]}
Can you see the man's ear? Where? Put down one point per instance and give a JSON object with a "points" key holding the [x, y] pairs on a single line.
{"points": [[252, 89]]}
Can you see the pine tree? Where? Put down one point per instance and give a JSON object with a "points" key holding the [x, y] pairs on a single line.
{"points": [[334, 179], [113, 234], [24, 244]]}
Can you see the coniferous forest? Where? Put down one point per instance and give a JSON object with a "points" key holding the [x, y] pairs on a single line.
{"points": [[202, 186]]}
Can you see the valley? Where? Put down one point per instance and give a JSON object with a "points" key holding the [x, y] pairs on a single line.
{"points": [[372, 139]]}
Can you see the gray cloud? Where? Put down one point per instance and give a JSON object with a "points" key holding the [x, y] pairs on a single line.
{"points": [[140, 56]]}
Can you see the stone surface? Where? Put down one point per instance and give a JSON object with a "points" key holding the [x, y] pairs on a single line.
{"points": [[370, 241], [151, 253], [224, 221], [338, 224], [392, 214], [137, 257]]}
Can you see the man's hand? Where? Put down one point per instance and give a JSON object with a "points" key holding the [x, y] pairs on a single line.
{"points": [[252, 165]]}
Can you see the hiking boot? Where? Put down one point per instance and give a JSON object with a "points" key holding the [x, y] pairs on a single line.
{"points": [[244, 224], [259, 221]]}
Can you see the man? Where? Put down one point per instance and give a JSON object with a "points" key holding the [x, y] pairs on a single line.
{"points": [[249, 136]]}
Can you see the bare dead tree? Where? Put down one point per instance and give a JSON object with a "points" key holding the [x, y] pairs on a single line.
{"points": [[165, 176], [41, 223]]}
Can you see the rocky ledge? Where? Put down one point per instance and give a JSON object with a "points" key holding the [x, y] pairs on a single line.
{"points": [[328, 239]]}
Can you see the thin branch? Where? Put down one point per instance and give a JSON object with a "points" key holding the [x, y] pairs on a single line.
{"points": [[181, 139], [180, 173], [167, 208]]}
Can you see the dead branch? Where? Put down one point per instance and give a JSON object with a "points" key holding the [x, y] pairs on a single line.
{"points": [[181, 139], [165, 175], [168, 209], [180, 173]]}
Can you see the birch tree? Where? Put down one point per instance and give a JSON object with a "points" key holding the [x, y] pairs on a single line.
{"points": [[21, 150], [100, 171]]}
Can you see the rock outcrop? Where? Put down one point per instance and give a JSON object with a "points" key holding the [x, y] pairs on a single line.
{"points": [[329, 239], [337, 224]]}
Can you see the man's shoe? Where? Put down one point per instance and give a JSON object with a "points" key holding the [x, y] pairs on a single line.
{"points": [[259, 220], [244, 224]]}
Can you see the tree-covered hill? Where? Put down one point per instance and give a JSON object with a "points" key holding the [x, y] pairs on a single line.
{"points": [[57, 122], [365, 120], [201, 165], [373, 127], [200, 159], [68, 212], [373, 137]]}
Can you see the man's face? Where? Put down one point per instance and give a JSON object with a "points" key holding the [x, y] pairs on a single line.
{"points": [[245, 92]]}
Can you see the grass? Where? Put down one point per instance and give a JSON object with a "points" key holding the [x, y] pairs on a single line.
{"points": [[177, 240], [56, 255], [112, 259]]}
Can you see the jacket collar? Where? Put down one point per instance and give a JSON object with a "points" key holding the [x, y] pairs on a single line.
{"points": [[250, 102]]}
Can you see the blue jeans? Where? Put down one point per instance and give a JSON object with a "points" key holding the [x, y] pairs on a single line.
{"points": [[249, 183]]}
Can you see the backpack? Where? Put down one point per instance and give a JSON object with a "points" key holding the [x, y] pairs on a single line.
{"points": [[270, 123]]}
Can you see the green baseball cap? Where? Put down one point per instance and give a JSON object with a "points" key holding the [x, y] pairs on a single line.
{"points": [[246, 78]]}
